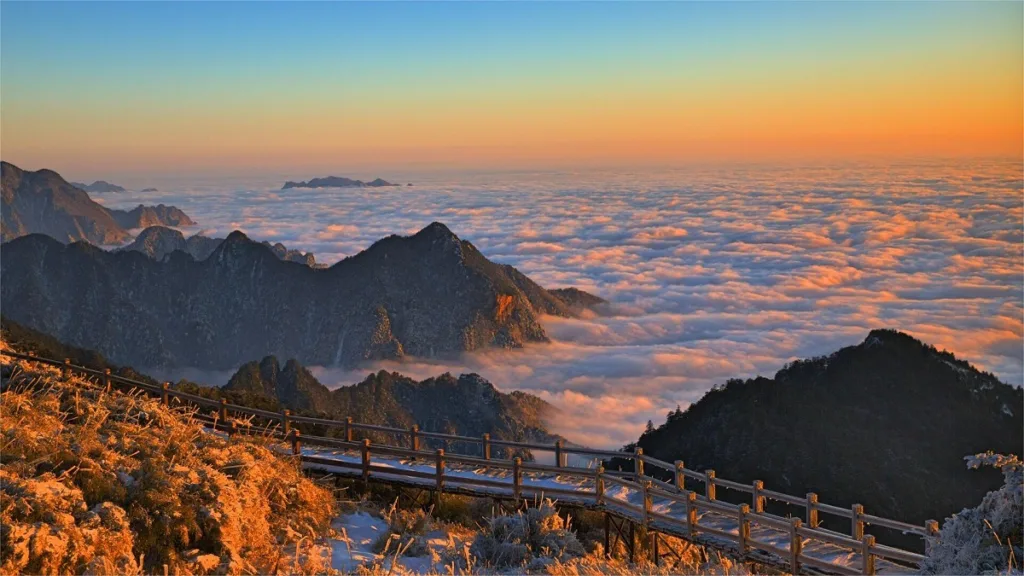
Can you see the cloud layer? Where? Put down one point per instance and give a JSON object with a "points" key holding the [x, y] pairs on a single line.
{"points": [[713, 273]]}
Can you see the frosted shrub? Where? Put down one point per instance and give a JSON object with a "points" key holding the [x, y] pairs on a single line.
{"points": [[117, 484], [406, 532], [985, 539], [534, 537]]}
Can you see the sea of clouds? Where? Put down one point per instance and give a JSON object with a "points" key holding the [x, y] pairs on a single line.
{"points": [[713, 273]]}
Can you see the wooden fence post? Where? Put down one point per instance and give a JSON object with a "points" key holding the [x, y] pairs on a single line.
{"points": [[691, 513], [286, 420], [812, 510], [655, 554], [599, 486], [709, 484], [414, 438], [680, 477], [559, 454], [743, 511], [224, 410], [487, 446], [607, 536], [348, 429], [517, 479], [646, 486], [796, 545], [857, 521], [440, 470], [296, 443], [758, 498], [931, 529], [868, 557], [638, 463], [65, 370], [366, 459], [106, 380], [165, 396]]}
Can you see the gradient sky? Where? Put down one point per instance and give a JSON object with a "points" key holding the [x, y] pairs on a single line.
{"points": [[96, 89]]}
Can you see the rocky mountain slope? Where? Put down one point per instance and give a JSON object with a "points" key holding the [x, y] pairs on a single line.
{"points": [[338, 182], [98, 186], [468, 405], [146, 216], [430, 294], [42, 202], [158, 242], [885, 424]]}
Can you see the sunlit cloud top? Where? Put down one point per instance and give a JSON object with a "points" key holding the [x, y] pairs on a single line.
{"points": [[102, 88]]}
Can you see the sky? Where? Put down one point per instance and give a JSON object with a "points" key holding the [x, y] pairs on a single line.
{"points": [[103, 90]]}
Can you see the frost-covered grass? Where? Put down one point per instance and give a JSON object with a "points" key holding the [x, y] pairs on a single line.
{"points": [[985, 539], [116, 483], [378, 540]]}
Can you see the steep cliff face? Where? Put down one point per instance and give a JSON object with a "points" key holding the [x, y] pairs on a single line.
{"points": [[42, 202], [430, 294]]}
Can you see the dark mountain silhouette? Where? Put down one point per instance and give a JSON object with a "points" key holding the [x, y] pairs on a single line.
{"points": [[468, 405], [338, 182], [150, 190], [430, 294], [98, 186], [885, 424], [43, 202], [158, 242], [577, 299]]}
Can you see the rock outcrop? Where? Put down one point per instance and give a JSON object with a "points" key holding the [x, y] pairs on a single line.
{"points": [[338, 182], [42, 202]]}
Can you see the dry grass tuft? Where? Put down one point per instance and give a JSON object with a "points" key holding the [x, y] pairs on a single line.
{"points": [[117, 483]]}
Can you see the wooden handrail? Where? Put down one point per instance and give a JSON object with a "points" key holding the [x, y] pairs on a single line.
{"points": [[639, 482]]}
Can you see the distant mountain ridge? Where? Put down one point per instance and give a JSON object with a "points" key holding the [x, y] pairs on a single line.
{"points": [[42, 202], [158, 242], [468, 405], [430, 295], [885, 423], [338, 182], [98, 186]]}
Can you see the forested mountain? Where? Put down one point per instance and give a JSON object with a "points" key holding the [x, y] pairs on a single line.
{"points": [[885, 424]]}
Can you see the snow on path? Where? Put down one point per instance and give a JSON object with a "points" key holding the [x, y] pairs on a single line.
{"points": [[534, 485]]}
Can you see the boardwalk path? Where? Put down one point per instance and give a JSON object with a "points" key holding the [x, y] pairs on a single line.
{"points": [[637, 496]]}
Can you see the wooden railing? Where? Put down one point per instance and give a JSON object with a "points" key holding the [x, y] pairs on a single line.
{"points": [[802, 532]]}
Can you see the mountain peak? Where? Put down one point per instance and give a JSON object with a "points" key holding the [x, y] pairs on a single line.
{"points": [[436, 230], [237, 237]]}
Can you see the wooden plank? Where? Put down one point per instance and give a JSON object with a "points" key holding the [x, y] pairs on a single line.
{"points": [[830, 537], [894, 524], [897, 554], [734, 485], [401, 471], [827, 566], [781, 497], [835, 510]]}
